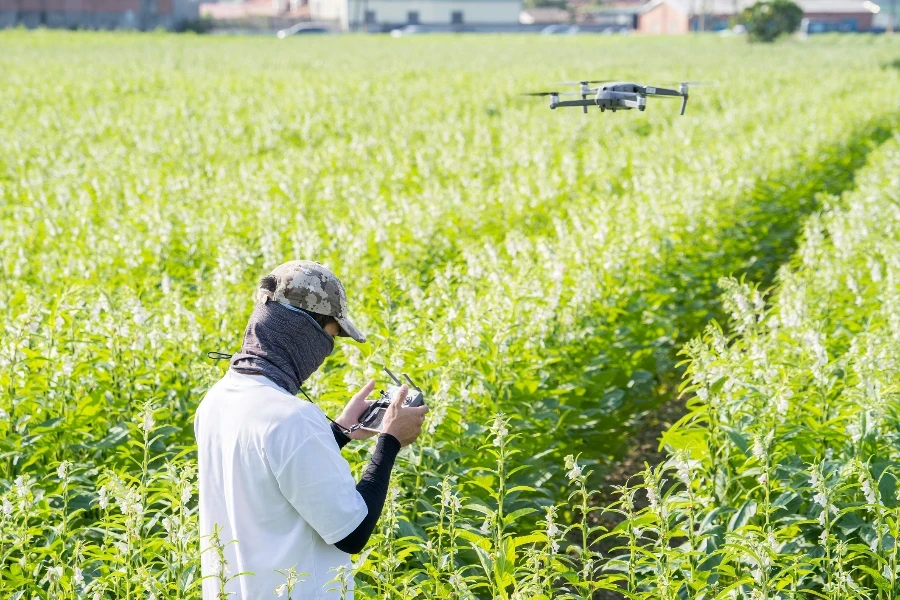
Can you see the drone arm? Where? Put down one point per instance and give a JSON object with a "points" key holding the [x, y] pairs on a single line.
{"points": [[684, 103], [657, 91], [588, 102]]}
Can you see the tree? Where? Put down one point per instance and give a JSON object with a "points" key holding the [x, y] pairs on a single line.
{"points": [[765, 21]]}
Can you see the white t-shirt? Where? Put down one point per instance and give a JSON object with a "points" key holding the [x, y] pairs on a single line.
{"points": [[273, 478]]}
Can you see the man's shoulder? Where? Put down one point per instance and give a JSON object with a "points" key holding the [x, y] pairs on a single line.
{"points": [[258, 400]]}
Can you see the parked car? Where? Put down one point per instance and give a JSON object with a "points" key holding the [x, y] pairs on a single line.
{"points": [[560, 29], [301, 29], [408, 30]]}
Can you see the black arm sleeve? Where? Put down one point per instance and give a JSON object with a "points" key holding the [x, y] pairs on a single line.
{"points": [[339, 436], [373, 488]]}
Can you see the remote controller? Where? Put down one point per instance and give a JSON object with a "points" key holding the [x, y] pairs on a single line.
{"points": [[374, 415]]}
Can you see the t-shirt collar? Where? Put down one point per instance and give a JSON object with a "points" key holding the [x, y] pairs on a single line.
{"points": [[261, 379]]}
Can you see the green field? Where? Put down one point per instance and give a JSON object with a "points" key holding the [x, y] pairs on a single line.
{"points": [[544, 273]]}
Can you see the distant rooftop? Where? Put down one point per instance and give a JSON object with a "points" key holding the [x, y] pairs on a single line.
{"points": [[731, 7]]}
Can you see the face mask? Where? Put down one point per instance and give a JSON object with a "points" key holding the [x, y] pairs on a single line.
{"points": [[314, 322], [283, 345]]}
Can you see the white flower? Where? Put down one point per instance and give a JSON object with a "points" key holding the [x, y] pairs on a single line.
{"points": [[148, 422], [62, 469], [575, 473], [499, 430], [103, 499], [574, 468], [486, 526], [217, 567], [21, 487], [867, 490], [79, 576], [97, 596], [854, 430], [7, 507], [684, 469], [185, 494], [280, 590], [653, 497], [781, 404], [759, 449], [821, 499], [887, 573], [554, 546], [552, 530]]}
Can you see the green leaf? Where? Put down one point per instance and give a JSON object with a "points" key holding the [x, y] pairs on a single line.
{"points": [[746, 512], [511, 517]]}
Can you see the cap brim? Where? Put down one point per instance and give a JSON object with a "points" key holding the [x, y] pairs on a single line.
{"points": [[349, 330]]}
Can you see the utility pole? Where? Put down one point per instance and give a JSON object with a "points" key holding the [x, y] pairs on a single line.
{"points": [[893, 22]]}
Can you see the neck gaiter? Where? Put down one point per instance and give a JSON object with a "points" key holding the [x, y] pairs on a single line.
{"points": [[283, 345]]}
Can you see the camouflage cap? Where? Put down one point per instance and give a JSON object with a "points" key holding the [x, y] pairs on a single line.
{"points": [[312, 287]]}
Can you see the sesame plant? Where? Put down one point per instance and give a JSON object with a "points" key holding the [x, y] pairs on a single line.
{"points": [[782, 479], [538, 271]]}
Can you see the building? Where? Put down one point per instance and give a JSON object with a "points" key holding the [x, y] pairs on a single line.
{"points": [[621, 15], [441, 15], [616, 15], [98, 14], [256, 15], [683, 16], [544, 15]]}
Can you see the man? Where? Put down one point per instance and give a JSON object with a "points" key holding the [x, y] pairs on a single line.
{"points": [[272, 477]]}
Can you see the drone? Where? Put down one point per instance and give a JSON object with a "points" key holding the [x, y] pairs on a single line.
{"points": [[614, 95]]}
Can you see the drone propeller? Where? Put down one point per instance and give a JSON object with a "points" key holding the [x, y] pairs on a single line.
{"points": [[550, 94], [584, 82]]}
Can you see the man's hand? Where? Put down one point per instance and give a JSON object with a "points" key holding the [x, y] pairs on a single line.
{"points": [[354, 410], [404, 423]]}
